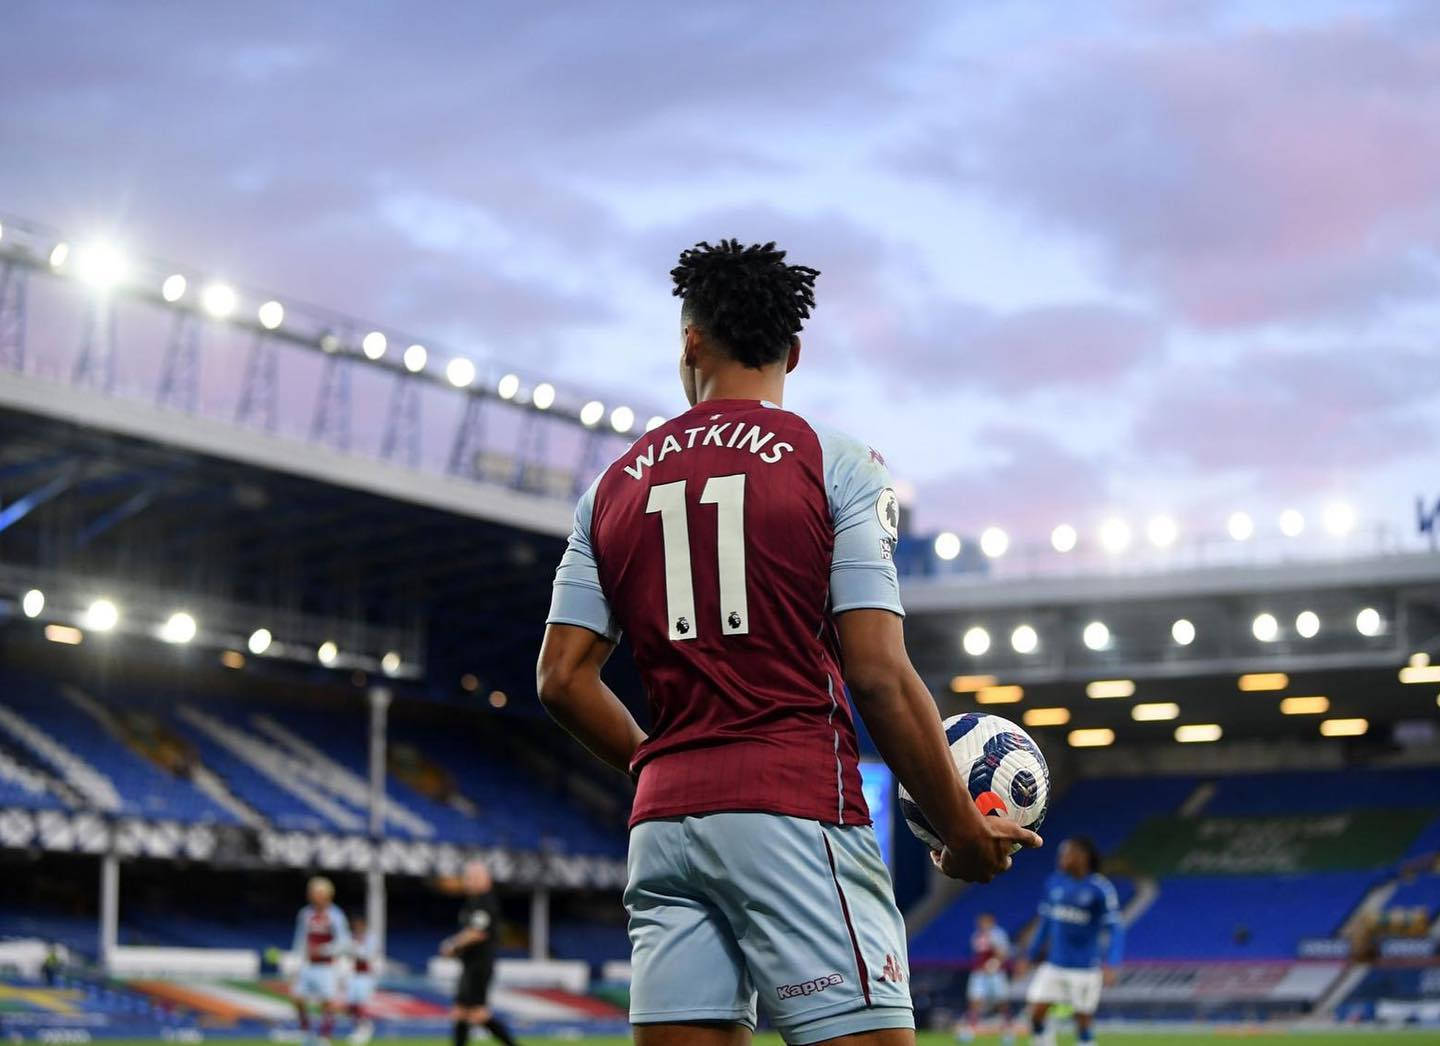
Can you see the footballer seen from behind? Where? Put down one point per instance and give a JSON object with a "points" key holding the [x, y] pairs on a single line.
{"points": [[748, 555]]}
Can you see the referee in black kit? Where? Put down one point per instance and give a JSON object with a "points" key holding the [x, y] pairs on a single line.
{"points": [[474, 945]]}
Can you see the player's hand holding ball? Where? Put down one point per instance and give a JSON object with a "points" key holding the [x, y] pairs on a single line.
{"points": [[1010, 783]]}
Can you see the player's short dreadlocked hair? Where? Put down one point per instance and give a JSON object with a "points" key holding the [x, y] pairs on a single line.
{"points": [[746, 298], [1092, 852]]}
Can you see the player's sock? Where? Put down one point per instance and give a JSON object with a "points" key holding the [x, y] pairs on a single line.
{"points": [[460, 1033], [496, 1027], [1086, 1034], [303, 1016], [327, 1025]]}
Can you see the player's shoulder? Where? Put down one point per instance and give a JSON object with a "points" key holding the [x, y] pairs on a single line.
{"points": [[1105, 886]]}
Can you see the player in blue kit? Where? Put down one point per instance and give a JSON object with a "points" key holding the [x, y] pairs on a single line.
{"points": [[1080, 922]]}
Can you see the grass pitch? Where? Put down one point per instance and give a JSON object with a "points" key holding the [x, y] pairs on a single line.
{"points": [[1359, 1037]]}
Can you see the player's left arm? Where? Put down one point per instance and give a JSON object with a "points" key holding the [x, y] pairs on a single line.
{"points": [[580, 635], [1115, 927], [342, 943]]}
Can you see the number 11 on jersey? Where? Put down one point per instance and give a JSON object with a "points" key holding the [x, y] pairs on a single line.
{"points": [[727, 494]]}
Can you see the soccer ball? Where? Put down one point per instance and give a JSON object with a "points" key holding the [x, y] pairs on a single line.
{"points": [[1005, 770]]}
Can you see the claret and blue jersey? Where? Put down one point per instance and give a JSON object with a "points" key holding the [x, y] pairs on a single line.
{"points": [[1080, 920]]}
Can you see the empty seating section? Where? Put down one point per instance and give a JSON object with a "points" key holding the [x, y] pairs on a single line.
{"points": [[1210, 916], [1244, 917], [296, 767]]}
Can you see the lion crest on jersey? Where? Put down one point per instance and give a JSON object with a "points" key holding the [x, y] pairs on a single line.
{"points": [[887, 510]]}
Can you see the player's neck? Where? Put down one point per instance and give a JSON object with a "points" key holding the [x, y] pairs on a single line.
{"points": [[742, 383]]}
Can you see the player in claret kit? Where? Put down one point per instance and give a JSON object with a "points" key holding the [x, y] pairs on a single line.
{"points": [[321, 936], [749, 556], [365, 961], [987, 988], [1083, 933]]}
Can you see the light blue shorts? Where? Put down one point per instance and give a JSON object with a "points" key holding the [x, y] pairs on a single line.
{"points": [[315, 982], [988, 987], [360, 989], [727, 906]]}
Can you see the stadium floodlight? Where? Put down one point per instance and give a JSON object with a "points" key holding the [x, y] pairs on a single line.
{"points": [[1419, 659], [327, 652], [1198, 733], [414, 358], [390, 663], [2, 230], [1292, 523], [1265, 628], [622, 419], [1343, 727], [374, 344], [1259, 682], [1114, 535], [469, 682], [1063, 538], [1101, 689], [32, 603], [499, 699], [1155, 712], [259, 641], [271, 315], [591, 413], [1096, 635], [101, 616], [544, 396], [1162, 531], [179, 628], [100, 265], [173, 289], [1339, 519], [218, 299], [1092, 737], [999, 695], [59, 254], [947, 545], [970, 684], [460, 372], [508, 386], [1240, 526], [1046, 716], [976, 641], [232, 659], [654, 423], [63, 634], [1420, 674], [1024, 640], [1369, 622], [994, 542], [329, 343], [1307, 623], [1183, 632], [1304, 705]]}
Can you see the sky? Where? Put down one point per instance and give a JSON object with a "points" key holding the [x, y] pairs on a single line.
{"points": [[1177, 256]]}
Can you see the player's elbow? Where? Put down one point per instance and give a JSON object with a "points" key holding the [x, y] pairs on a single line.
{"points": [[555, 683], [874, 681]]}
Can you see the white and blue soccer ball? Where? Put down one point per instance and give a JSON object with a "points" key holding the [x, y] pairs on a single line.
{"points": [[1008, 776]]}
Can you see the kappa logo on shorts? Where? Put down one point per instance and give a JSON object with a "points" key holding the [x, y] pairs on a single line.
{"points": [[819, 984], [891, 971]]}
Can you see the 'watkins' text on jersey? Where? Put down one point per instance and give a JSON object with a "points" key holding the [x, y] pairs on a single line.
{"points": [[739, 436]]}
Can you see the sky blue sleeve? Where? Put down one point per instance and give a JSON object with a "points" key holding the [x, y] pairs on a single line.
{"points": [[866, 515], [576, 597], [342, 943]]}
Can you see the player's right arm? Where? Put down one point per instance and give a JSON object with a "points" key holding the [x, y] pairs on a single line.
{"points": [[297, 948], [892, 699], [905, 725], [580, 634]]}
